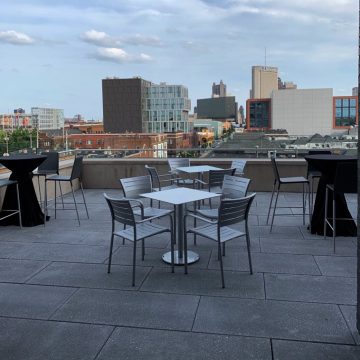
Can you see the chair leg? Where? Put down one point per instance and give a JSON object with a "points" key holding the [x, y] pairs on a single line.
{"points": [[38, 177], [221, 265], [334, 220], [143, 249], [76, 209], [223, 249], [55, 198], [61, 194], [18, 203], [123, 237], [134, 263], [272, 195], [110, 254], [185, 250], [326, 210], [276, 200], [45, 203], [248, 247], [172, 243], [310, 206], [303, 199], [83, 196]]}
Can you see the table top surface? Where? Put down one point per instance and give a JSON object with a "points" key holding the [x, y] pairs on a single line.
{"points": [[21, 157], [180, 195], [197, 169], [330, 157]]}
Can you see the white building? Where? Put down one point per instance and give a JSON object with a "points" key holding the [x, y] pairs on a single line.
{"points": [[47, 118], [303, 111], [167, 108]]}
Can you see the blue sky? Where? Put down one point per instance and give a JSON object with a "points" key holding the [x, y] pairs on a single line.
{"points": [[56, 53]]}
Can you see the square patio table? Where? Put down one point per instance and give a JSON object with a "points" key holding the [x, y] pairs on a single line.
{"points": [[198, 169], [179, 197]]}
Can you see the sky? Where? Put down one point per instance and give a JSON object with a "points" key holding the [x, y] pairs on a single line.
{"points": [[55, 53]]}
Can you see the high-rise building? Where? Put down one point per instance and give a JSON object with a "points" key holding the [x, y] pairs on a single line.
{"points": [[137, 105], [167, 108], [218, 90], [355, 91], [47, 118], [124, 102], [221, 108], [264, 81]]}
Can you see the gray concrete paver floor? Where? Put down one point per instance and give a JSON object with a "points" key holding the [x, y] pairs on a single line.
{"points": [[58, 302]]}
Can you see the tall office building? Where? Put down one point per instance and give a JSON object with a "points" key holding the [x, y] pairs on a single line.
{"points": [[167, 108], [218, 90], [47, 118], [264, 81], [124, 102], [137, 105]]}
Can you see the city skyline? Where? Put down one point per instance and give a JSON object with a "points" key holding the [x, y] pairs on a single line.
{"points": [[56, 55]]}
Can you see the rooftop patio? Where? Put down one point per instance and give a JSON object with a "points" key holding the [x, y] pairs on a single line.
{"points": [[58, 302]]}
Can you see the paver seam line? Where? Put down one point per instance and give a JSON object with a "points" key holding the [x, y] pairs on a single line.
{"points": [[272, 349], [37, 272], [63, 303], [305, 253], [145, 277], [264, 284], [105, 342], [195, 314], [179, 331], [347, 325]]}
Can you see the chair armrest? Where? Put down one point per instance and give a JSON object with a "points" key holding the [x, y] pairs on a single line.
{"points": [[138, 203], [213, 222], [200, 181], [152, 218]]}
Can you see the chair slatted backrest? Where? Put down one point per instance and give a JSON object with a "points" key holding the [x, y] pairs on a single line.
{"points": [[51, 163], [235, 187], [233, 211], [154, 176], [121, 210], [77, 168], [316, 152], [216, 177], [175, 163], [275, 169], [346, 177], [239, 166], [134, 186]]}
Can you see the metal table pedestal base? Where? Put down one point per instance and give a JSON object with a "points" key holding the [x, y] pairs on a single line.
{"points": [[192, 258]]}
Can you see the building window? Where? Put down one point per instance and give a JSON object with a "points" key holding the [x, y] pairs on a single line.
{"points": [[345, 112]]}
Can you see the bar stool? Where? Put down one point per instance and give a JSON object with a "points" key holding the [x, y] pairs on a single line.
{"points": [[13, 211]]}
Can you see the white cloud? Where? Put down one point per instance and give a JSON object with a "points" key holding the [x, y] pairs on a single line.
{"points": [[99, 38], [142, 40], [119, 56], [15, 38]]}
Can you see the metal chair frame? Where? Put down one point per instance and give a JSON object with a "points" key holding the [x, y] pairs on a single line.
{"points": [[75, 174], [175, 163], [231, 212], [345, 182], [122, 211], [49, 167], [239, 166], [157, 180], [293, 180], [4, 183], [313, 174]]}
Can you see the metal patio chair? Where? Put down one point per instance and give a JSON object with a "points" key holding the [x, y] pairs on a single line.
{"points": [[175, 163], [47, 168], [122, 211], [75, 174], [313, 173], [239, 166], [345, 182], [278, 181], [12, 212], [161, 182], [231, 212], [215, 180]]}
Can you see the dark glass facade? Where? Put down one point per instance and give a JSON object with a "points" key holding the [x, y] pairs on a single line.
{"points": [[258, 114]]}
